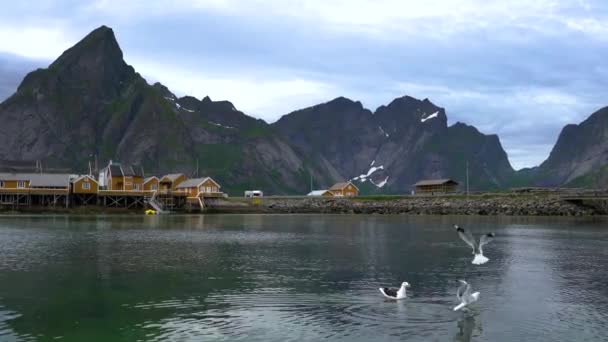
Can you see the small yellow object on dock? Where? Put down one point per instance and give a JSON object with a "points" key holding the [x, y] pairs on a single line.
{"points": [[150, 212]]}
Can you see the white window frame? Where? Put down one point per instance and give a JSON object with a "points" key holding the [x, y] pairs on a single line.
{"points": [[86, 185], [21, 184], [136, 186]]}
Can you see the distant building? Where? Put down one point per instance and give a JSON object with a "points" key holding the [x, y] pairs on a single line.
{"points": [[151, 183], [344, 189], [84, 185], [134, 178], [320, 193], [436, 186], [29, 181], [200, 186], [253, 193], [118, 177], [170, 182]]}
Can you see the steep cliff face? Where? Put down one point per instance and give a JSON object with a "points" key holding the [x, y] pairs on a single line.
{"points": [[579, 157], [396, 146], [89, 102]]}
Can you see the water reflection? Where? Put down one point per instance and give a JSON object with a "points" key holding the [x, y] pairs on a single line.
{"points": [[277, 278], [467, 324]]}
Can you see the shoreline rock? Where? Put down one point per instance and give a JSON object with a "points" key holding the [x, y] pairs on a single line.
{"points": [[484, 206]]}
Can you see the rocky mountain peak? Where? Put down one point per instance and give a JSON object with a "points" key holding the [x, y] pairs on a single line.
{"points": [[95, 61]]}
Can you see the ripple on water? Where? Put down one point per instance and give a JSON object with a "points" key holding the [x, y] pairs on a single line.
{"points": [[274, 312]]}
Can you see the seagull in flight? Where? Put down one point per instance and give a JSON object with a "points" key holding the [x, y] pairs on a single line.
{"points": [[395, 293], [465, 296], [467, 237]]}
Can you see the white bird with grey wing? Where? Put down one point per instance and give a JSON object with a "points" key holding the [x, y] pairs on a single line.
{"points": [[467, 237], [395, 293], [465, 296]]}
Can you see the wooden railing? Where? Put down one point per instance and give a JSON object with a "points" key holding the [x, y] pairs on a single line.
{"points": [[34, 191]]}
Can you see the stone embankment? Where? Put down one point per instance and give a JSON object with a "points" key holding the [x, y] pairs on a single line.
{"points": [[461, 205]]}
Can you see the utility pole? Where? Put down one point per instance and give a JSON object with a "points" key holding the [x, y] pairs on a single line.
{"points": [[311, 182], [196, 167], [467, 178]]}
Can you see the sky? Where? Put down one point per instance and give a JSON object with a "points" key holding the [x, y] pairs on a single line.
{"points": [[517, 68]]}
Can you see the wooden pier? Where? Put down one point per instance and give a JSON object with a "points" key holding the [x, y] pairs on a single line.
{"points": [[117, 187]]}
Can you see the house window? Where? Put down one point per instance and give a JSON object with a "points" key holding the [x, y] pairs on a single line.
{"points": [[21, 184], [153, 187], [135, 186], [86, 186], [1, 184]]}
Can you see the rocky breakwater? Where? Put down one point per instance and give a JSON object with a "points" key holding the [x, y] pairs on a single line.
{"points": [[474, 205]]}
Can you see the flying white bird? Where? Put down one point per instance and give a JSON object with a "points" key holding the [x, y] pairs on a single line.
{"points": [[465, 296], [395, 293], [467, 237]]}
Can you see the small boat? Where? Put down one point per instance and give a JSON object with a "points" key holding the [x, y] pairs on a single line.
{"points": [[150, 212]]}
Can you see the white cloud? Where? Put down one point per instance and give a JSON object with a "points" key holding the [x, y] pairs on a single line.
{"points": [[263, 97], [34, 42]]}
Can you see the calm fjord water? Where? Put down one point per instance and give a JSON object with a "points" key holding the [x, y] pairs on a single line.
{"points": [[298, 278]]}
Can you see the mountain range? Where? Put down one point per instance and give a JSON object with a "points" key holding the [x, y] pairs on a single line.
{"points": [[89, 103]]}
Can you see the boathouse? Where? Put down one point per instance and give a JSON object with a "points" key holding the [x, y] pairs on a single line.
{"points": [[344, 189], [151, 183], [169, 183], [436, 186], [111, 177], [196, 187], [17, 189], [84, 190], [133, 178]]}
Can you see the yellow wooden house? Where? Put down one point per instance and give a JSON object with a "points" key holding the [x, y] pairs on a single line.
{"points": [[151, 183], [344, 189], [133, 179], [169, 183], [197, 187], [84, 185]]}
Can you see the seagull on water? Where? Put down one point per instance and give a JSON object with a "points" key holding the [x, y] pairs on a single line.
{"points": [[395, 293], [467, 237], [465, 296]]}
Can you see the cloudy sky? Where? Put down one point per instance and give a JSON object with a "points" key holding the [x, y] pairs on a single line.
{"points": [[518, 68]]}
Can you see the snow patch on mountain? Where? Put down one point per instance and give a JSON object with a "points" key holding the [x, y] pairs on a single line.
{"points": [[434, 115], [367, 176]]}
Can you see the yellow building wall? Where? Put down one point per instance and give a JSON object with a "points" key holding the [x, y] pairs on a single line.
{"points": [[328, 194], [116, 183], [78, 187], [166, 185], [151, 185], [192, 192], [350, 191], [13, 184], [178, 181], [208, 187], [133, 183]]}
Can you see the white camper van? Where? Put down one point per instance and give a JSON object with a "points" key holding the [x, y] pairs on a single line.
{"points": [[253, 193]]}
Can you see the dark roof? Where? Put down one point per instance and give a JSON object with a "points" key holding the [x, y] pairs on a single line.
{"points": [[436, 182], [131, 171], [115, 170]]}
